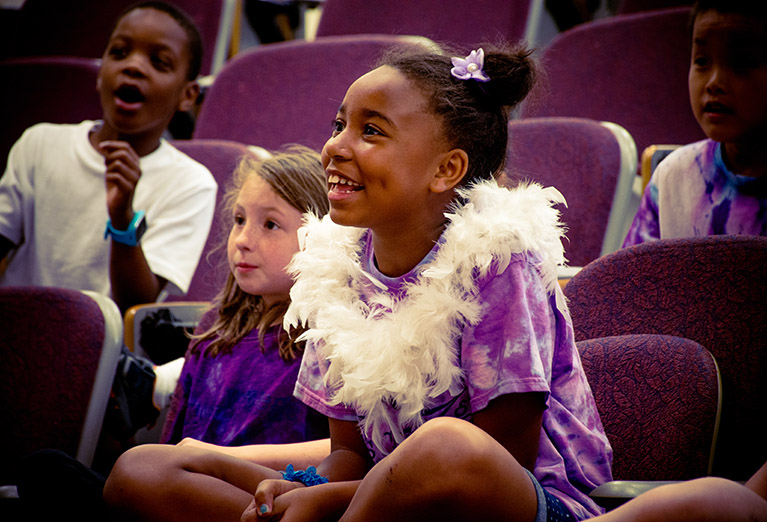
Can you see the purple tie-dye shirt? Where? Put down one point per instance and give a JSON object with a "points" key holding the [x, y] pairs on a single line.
{"points": [[241, 397], [523, 343], [693, 193]]}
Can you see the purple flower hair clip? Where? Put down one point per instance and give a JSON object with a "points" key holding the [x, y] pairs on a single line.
{"points": [[470, 68]]}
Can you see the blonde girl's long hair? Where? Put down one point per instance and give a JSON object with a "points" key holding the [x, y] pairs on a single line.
{"points": [[297, 176]]}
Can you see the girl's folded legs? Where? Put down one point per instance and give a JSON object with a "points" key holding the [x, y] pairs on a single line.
{"points": [[709, 499], [160, 482], [448, 469]]}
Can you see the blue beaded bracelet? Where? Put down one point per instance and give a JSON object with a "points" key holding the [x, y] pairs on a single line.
{"points": [[307, 478]]}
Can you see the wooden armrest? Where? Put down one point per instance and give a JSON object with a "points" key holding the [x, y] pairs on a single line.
{"points": [[651, 156], [188, 312]]}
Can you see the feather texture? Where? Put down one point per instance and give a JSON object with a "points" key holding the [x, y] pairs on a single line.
{"points": [[403, 351]]}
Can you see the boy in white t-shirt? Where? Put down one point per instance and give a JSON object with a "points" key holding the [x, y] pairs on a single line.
{"points": [[109, 205]]}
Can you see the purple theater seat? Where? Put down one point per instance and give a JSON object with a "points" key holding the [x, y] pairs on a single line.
{"points": [[221, 157], [658, 397], [628, 69], [59, 351], [83, 27], [712, 290], [457, 22], [592, 164], [55, 89], [288, 92], [659, 400]]}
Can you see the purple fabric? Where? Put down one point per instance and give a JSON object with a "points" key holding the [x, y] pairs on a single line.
{"points": [[82, 28], [693, 193], [50, 346], [221, 157], [658, 398], [708, 289], [628, 69], [582, 159], [453, 21], [243, 397], [523, 343], [287, 92], [32, 91]]}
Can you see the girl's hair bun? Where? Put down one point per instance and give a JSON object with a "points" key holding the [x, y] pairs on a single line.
{"points": [[474, 113], [512, 74]]}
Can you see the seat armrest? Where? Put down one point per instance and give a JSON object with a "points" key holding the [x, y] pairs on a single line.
{"points": [[185, 314], [612, 494]]}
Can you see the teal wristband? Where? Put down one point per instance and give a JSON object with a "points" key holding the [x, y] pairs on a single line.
{"points": [[132, 235], [307, 478]]}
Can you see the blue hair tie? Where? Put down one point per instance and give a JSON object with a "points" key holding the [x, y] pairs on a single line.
{"points": [[307, 478]]}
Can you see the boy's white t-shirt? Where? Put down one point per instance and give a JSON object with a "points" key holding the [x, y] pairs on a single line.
{"points": [[53, 207]]}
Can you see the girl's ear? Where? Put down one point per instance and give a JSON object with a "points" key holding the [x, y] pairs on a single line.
{"points": [[451, 171], [188, 97]]}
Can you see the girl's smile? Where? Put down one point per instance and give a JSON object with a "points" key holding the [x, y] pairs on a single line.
{"points": [[385, 150], [341, 188]]}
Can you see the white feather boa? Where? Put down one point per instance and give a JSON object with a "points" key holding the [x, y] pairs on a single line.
{"points": [[403, 351]]}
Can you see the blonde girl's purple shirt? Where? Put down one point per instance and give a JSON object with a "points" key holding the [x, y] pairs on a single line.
{"points": [[241, 397], [693, 193], [523, 343]]}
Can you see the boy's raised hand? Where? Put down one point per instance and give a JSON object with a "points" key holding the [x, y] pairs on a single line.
{"points": [[122, 174]]}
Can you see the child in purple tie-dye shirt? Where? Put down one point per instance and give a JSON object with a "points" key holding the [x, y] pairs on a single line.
{"points": [[718, 185], [237, 379], [438, 342]]}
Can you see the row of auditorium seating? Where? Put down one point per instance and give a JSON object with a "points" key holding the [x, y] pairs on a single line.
{"points": [[288, 92], [671, 335], [647, 318], [630, 69], [81, 27]]}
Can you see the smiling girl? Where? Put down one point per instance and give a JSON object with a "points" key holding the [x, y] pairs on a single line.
{"points": [[439, 344]]}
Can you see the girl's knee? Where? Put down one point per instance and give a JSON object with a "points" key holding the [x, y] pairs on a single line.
{"points": [[704, 499], [138, 468], [450, 460], [448, 442]]}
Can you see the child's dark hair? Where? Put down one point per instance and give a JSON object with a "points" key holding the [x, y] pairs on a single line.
{"points": [[296, 175], [186, 23], [749, 8], [475, 114]]}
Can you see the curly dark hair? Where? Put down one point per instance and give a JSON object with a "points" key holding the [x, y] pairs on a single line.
{"points": [[475, 114]]}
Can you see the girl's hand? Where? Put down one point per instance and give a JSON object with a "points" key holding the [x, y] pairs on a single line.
{"points": [[122, 174], [262, 506], [301, 504]]}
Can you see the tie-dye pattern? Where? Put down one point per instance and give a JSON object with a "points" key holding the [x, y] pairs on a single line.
{"points": [[523, 343], [242, 397], [693, 193]]}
